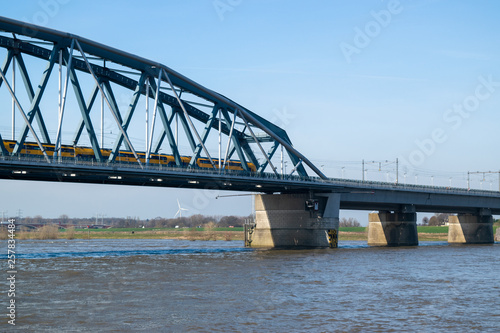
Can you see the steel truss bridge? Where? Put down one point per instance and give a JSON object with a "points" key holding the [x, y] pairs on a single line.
{"points": [[78, 93], [166, 94]]}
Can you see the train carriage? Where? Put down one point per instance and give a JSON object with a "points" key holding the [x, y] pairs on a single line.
{"points": [[87, 153]]}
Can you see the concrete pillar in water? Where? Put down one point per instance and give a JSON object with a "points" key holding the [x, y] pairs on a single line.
{"points": [[294, 220], [471, 228], [397, 228]]}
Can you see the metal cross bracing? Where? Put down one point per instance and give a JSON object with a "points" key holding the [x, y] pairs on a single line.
{"points": [[78, 76]]}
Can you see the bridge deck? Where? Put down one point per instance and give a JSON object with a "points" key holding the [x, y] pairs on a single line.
{"points": [[355, 194]]}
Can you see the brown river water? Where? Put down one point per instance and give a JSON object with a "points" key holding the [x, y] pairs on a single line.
{"points": [[218, 286]]}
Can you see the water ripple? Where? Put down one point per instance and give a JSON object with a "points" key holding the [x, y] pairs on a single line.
{"points": [[112, 253]]}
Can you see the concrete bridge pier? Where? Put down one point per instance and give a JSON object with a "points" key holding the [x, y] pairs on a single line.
{"points": [[398, 228], [471, 228], [294, 221]]}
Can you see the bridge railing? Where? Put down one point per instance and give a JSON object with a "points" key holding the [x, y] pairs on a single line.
{"points": [[40, 161], [347, 183]]}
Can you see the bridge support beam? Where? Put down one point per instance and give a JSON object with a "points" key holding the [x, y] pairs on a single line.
{"points": [[471, 228], [295, 221], [397, 228]]}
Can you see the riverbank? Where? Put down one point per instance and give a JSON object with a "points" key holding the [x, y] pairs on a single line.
{"points": [[363, 236], [225, 234], [425, 234], [52, 232]]}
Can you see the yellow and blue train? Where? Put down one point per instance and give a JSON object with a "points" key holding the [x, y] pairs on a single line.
{"points": [[87, 153]]}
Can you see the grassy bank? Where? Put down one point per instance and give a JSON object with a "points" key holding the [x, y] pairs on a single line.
{"points": [[226, 234], [51, 232], [425, 234]]}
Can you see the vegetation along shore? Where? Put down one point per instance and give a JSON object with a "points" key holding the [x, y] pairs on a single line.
{"points": [[425, 233]]}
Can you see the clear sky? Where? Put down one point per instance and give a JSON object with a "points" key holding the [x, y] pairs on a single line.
{"points": [[349, 80]]}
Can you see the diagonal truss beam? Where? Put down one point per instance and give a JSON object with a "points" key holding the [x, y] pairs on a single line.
{"points": [[112, 100], [185, 126], [6, 63], [270, 155], [204, 135], [28, 124], [115, 115], [165, 121], [260, 146], [249, 153], [200, 141], [128, 116], [236, 142], [163, 134], [31, 95], [36, 100], [88, 107], [114, 105], [179, 115], [84, 110]]}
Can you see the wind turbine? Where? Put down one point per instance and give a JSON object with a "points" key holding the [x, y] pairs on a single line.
{"points": [[179, 212]]}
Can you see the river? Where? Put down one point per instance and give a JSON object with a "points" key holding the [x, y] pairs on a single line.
{"points": [[218, 286]]}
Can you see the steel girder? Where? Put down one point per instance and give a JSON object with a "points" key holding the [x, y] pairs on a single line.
{"points": [[151, 76]]}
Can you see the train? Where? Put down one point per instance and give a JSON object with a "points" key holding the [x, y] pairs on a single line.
{"points": [[87, 153]]}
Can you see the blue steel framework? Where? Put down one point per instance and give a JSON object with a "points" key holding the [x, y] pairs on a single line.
{"points": [[108, 69], [246, 132]]}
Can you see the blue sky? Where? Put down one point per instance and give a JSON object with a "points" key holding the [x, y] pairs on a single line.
{"points": [[396, 96]]}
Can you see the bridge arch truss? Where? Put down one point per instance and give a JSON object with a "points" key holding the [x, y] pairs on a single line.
{"points": [[136, 97]]}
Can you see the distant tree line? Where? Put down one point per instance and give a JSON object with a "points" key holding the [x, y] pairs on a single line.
{"points": [[349, 223], [197, 221], [135, 222], [442, 219], [436, 220], [190, 222]]}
